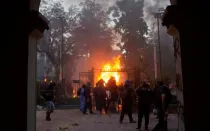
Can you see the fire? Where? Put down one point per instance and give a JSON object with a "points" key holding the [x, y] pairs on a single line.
{"points": [[111, 67]]}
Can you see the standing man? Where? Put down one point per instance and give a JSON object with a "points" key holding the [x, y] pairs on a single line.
{"points": [[127, 102], [112, 87], [163, 99], [100, 96], [144, 94], [88, 99], [81, 94]]}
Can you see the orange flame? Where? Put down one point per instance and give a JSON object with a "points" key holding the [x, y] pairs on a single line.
{"points": [[111, 70]]}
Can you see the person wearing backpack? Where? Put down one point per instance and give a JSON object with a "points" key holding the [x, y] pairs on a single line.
{"points": [[163, 98]]}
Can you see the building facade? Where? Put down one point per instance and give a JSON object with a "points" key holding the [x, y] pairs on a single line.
{"points": [[172, 30]]}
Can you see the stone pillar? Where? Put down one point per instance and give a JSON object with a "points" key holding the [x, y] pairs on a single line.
{"points": [[31, 83], [38, 24], [179, 81], [173, 28]]}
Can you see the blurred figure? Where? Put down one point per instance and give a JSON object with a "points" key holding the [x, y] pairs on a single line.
{"points": [[52, 85], [81, 94], [48, 96], [144, 94], [154, 99], [120, 90], [127, 102], [100, 96], [112, 87], [88, 99], [119, 100], [108, 99], [162, 100]]}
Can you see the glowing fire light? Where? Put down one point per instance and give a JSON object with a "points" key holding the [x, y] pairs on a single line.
{"points": [[109, 69]]}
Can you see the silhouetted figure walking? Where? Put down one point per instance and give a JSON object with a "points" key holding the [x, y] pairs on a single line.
{"points": [[88, 99], [48, 96], [163, 98], [81, 94], [112, 89], [144, 94], [127, 102], [100, 96]]}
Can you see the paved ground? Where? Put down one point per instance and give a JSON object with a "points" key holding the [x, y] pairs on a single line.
{"points": [[73, 120]]}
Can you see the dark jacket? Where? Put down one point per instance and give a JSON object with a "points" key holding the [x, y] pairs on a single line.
{"points": [[88, 92], [158, 100], [48, 94], [145, 96], [127, 96]]}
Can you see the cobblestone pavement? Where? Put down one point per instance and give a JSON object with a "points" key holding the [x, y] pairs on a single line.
{"points": [[74, 120]]}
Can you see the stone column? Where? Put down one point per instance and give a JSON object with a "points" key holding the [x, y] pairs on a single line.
{"points": [[32, 59], [173, 29], [179, 81], [31, 83], [38, 24]]}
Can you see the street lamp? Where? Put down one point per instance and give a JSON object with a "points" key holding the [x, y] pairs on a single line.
{"points": [[61, 51], [158, 15]]}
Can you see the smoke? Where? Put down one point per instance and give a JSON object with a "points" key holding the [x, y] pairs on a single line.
{"points": [[104, 3], [151, 6]]}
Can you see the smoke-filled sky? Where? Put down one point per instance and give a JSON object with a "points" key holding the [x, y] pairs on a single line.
{"points": [[150, 6]]}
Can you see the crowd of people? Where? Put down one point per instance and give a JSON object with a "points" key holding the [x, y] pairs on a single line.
{"points": [[103, 95], [107, 96]]}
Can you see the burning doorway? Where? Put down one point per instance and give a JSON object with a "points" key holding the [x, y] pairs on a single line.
{"points": [[114, 69], [109, 69]]}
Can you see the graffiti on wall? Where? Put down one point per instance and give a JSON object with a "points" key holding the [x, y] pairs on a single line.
{"points": [[179, 83], [177, 56]]}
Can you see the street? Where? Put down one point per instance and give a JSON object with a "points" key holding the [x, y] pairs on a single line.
{"points": [[74, 120]]}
